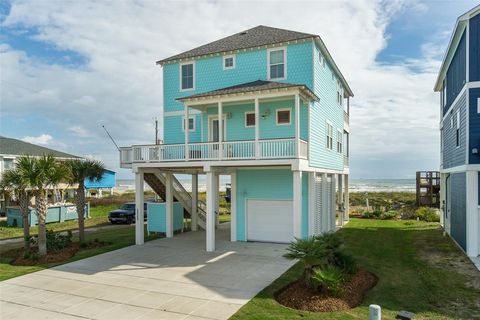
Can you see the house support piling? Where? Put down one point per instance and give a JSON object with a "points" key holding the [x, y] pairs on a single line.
{"points": [[139, 213]]}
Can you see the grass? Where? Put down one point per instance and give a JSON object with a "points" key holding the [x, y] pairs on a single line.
{"points": [[118, 238], [395, 251], [98, 218]]}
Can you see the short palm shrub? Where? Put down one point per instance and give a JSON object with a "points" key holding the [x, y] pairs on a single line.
{"points": [[427, 214], [388, 215], [329, 278], [375, 214], [319, 256]]}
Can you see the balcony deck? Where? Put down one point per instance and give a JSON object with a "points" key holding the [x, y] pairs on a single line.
{"points": [[215, 151]]}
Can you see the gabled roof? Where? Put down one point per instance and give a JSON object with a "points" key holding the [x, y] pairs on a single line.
{"points": [[259, 36], [15, 147], [255, 37], [460, 26], [255, 86]]}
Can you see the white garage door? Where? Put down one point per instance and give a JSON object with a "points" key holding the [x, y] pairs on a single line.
{"points": [[270, 220]]}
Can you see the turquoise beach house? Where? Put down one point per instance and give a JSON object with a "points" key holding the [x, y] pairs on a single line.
{"points": [[270, 108]]}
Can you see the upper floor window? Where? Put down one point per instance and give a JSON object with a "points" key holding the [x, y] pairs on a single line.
{"points": [[249, 119], [339, 141], [191, 124], [283, 116], [228, 62], [329, 133], [339, 93], [187, 76], [277, 62], [322, 59]]}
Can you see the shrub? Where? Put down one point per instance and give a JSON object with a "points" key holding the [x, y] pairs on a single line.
{"points": [[346, 262], [372, 214], [389, 215], [31, 255], [407, 213], [329, 278], [57, 241], [427, 214]]}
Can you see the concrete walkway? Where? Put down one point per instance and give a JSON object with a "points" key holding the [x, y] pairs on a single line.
{"points": [[164, 279]]}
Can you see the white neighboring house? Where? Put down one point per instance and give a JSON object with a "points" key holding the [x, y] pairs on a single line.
{"points": [[11, 149]]}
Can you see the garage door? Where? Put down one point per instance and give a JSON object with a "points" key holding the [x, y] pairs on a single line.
{"points": [[270, 220]]}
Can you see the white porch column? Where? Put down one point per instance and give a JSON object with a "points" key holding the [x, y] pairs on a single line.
{"points": [[217, 199], [472, 214], [169, 205], [210, 223], [325, 212], [257, 128], [233, 206], [297, 125], [187, 131], [139, 214], [220, 130], [333, 212], [341, 203], [347, 199], [194, 214], [297, 204]]}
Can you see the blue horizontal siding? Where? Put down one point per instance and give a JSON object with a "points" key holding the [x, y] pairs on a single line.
{"points": [[474, 45], [452, 155], [458, 209], [456, 73], [107, 181], [474, 123]]}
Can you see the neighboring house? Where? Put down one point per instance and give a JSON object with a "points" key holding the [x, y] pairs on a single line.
{"points": [[107, 182], [459, 85], [270, 108], [11, 149]]}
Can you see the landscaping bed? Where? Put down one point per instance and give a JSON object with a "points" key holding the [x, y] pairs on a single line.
{"points": [[298, 296]]}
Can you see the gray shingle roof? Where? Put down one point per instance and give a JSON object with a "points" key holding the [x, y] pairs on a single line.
{"points": [[259, 85], [10, 146], [258, 36]]}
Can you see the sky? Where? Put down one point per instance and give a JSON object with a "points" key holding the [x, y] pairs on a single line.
{"points": [[69, 67]]}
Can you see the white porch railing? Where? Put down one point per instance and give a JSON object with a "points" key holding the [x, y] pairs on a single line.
{"points": [[207, 151]]}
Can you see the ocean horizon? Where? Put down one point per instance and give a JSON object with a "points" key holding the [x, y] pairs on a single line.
{"points": [[355, 185]]}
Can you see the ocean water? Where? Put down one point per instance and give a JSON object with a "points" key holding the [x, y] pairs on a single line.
{"points": [[355, 185]]}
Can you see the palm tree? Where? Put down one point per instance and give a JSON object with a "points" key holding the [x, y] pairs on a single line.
{"points": [[78, 171], [13, 181]]}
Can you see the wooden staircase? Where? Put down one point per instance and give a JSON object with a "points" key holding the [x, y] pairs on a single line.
{"points": [[157, 182]]}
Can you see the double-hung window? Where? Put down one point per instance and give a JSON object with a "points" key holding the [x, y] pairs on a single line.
{"points": [[329, 134], [339, 141], [191, 124], [187, 79], [277, 64], [249, 119]]}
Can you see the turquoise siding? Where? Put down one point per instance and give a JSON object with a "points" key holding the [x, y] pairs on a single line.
{"points": [[107, 181], [327, 109], [174, 129], [268, 184], [209, 75], [156, 213], [54, 214]]}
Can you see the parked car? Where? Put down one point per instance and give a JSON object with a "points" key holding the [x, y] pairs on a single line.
{"points": [[125, 214]]}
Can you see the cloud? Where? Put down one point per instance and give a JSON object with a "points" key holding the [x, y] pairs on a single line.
{"points": [[43, 139], [393, 114]]}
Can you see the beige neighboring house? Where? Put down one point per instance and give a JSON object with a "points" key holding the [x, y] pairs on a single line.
{"points": [[11, 149]]}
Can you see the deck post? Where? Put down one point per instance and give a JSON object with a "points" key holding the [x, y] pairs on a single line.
{"points": [[186, 124], [297, 204], [217, 199], [325, 214], [297, 125], [233, 206], [169, 205], [333, 212], [340, 198], [347, 199], [257, 128], [220, 130], [194, 214], [139, 214], [210, 223]]}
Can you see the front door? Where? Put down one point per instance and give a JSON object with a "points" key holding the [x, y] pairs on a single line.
{"points": [[213, 134]]}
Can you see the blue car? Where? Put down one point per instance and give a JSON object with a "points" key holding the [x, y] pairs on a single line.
{"points": [[125, 214]]}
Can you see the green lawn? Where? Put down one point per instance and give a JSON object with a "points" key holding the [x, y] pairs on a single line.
{"points": [[417, 267], [98, 216], [118, 237]]}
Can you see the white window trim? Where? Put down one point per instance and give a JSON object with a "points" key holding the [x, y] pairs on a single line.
{"points": [[322, 59], [457, 130], [180, 76], [194, 123], [478, 105], [327, 136], [458, 119], [284, 62], [226, 57], [340, 141], [249, 112], [289, 118]]}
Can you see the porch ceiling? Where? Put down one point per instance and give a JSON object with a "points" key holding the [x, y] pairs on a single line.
{"points": [[250, 90]]}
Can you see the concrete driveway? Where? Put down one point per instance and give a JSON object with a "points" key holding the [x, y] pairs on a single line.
{"points": [[164, 279]]}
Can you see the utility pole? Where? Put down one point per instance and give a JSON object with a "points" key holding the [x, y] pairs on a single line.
{"points": [[156, 130]]}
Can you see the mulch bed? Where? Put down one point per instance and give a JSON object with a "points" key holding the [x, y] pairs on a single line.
{"points": [[51, 257], [298, 296]]}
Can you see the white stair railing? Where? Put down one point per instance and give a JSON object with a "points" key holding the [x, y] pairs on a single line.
{"points": [[185, 198]]}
